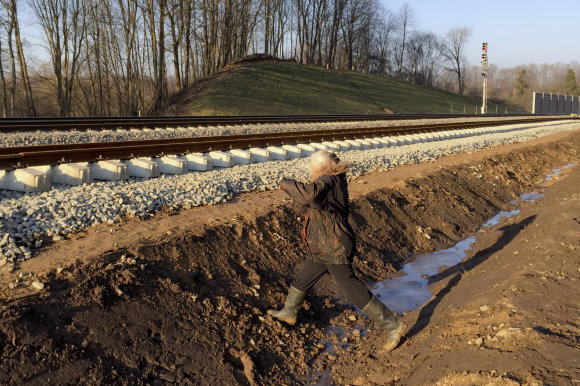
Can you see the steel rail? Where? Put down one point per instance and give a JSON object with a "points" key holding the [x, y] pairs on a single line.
{"points": [[108, 123], [25, 156]]}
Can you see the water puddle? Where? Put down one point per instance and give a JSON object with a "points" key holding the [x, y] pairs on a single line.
{"points": [[531, 197], [558, 171], [409, 292], [497, 218], [320, 378], [338, 337]]}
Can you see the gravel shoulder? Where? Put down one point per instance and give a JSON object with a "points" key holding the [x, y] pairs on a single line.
{"points": [[54, 137], [182, 296]]}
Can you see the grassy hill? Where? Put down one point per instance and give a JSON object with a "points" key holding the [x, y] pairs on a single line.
{"points": [[277, 87]]}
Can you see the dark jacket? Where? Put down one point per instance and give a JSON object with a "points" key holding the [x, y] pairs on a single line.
{"points": [[327, 234]]}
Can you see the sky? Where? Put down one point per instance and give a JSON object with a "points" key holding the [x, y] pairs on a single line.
{"points": [[518, 32]]}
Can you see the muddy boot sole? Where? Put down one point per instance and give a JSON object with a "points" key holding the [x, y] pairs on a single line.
{"points": [[289, 320], [394, 340]]}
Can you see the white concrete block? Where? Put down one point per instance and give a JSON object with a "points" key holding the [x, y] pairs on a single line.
{"points": [[221, 159], [171, 165], [318, 146], [344, 146], [198, 161], [27, 180], [364, 144], [385, 141], [307, 150], [399, 141], [142, 167], [109, 170], [416, 138], [292, 151], [278, 153], [402, 140], [430, 137], [331, 146], [354, 145], [375, 144], [241, 157], [71, 174], [259, 154]]}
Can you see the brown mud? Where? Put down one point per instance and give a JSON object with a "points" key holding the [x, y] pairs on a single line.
{"points": [[188, 305]]}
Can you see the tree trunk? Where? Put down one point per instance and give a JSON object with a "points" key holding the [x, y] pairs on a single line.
{"points": [[31, 109], [3, 81]]}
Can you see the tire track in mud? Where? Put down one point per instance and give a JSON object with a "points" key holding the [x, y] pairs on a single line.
{"points": [[192, 307]]}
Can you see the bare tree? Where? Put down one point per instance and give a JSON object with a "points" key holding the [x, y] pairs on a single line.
{"points": [[12, 99], [63, 22], [423, 58], [350, 27], [337, 15], [406, 21], [452, 47], [4, 86], [11, 7]]}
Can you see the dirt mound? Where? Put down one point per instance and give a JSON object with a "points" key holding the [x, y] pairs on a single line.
{"points": [[191, 308], [179, 103]]}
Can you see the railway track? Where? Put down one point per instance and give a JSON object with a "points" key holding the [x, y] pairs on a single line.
{"points": [[27, 156], [109, 123], [62, 207]]}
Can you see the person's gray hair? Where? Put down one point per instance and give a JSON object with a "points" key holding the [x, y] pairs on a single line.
{"points": [[322, 157]]}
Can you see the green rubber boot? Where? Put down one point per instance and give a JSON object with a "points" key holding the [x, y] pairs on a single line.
{"points": [[294, 302], [385, 318]]}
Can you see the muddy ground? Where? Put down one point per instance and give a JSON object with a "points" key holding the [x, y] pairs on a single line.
{"points": [[182, 297]]}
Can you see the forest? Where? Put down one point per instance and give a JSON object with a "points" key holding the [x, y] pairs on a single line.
{"points": [[126, 57]]}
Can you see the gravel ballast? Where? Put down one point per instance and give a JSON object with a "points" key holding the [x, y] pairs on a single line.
{"points": [[57, 137], [30, 220]]}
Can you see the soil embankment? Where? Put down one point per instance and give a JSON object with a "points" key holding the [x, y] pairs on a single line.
{"points": [[151, 303]]}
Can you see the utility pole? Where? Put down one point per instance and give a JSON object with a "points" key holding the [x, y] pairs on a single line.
{"points": [[484, 75]]}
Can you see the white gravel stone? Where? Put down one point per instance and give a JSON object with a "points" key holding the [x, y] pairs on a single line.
{"points": [[38, 285], [28, 220]]}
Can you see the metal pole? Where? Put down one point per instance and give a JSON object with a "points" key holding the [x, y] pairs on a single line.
{"points": [[484, 75], [484, 104]]}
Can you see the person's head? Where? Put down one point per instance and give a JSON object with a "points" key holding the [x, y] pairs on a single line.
{"points": [[324, 162], [321, 159]]}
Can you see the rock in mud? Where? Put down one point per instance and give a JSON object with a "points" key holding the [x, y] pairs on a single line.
{"points": [[38, 285]]}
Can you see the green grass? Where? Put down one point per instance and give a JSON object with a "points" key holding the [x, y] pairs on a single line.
{"points": [[283, 88]]}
